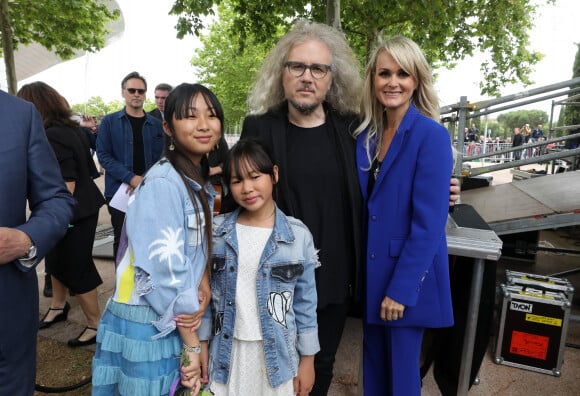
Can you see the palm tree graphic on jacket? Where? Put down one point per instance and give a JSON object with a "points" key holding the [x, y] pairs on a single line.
{"points": [[168, 247]]}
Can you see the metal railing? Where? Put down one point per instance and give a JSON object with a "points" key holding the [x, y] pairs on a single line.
{"points": [[458, 113], [546, 155]]}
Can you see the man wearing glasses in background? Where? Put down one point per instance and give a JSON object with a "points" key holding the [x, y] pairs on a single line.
{"points": [[129, 142], [161, 92]]}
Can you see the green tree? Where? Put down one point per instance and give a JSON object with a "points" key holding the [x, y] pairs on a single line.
{"points": [[518, 118], [61, 26], [227, 68], [570, 114], [491, 128], [95, 106], [494, 128], [448, 31]]}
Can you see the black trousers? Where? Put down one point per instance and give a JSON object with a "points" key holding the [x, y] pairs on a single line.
{"points": [[117, 220], [331, 322]]}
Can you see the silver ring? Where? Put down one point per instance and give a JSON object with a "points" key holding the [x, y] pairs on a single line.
{"points": [[395, 317]]}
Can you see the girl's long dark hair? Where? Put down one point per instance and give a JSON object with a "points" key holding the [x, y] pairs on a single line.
{"points": [[178, 104]]}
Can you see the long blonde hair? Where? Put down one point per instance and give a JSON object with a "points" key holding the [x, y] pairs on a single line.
{"points": [[412, 60], [344, 94]]}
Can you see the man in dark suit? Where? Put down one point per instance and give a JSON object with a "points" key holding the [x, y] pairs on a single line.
{"points": [[28, 172], [161, 92]]}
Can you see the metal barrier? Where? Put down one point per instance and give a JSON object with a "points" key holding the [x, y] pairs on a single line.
{"points": [[502, 156], [490, 150], [545, 156]]}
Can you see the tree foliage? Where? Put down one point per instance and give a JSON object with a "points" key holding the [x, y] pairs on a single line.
{"points": [[61, 26], [570, 114], [494, 129], [228, 69], [519, 118], [448, 31], [95, 106]]}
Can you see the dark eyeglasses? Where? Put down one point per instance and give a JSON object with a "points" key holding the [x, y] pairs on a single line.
{"points": [[133, 90], [317, 70]]}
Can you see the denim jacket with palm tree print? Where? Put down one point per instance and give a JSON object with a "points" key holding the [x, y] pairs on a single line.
{"points": [[167, 247]]}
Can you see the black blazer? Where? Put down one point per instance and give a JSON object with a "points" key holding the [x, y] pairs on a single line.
{"points": [[156, 113], [271, 129], [72, 149]]}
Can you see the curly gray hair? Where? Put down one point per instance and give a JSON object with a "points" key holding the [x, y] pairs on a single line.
{"points": [[344, 93]]}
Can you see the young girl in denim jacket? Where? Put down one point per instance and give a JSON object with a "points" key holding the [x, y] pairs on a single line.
{"points": [[140, 350], [265, 332]]}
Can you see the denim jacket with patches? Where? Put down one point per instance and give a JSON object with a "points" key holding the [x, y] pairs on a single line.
{"points": [[285, 271], [167, 250]]}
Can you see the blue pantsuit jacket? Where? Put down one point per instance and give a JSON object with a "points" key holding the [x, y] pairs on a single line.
{"points": [[404, 224]]}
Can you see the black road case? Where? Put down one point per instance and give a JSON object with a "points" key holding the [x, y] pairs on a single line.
{"points": [[533, 323]]}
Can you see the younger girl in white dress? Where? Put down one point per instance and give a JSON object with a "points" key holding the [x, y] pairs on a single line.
{"points": [[265, 333]]}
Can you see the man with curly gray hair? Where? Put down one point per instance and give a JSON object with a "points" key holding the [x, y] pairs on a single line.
{"points": [[303, 107]]}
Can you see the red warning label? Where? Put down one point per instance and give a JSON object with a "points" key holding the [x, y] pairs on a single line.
{"points": [[530, 345]]}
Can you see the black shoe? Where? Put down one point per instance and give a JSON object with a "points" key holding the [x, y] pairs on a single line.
{"points": [[47, 290], [75, 342], [61, 317]]}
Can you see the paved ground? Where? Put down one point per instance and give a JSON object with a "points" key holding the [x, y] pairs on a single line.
{"points": [[495, 379]]}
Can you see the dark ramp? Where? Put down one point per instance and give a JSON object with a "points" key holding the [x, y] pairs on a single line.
{"points": [[546, 202]]}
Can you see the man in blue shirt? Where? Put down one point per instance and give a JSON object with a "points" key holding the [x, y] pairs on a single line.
{"points": [[537, 133], [129, 142]]}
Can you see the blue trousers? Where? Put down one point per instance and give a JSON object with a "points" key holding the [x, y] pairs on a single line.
{"points": [[19, 309], [391, 360]]}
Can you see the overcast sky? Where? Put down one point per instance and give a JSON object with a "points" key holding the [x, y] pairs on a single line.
{"points": [[149, 46]]}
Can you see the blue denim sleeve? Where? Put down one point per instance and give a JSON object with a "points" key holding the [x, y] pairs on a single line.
{"points": [[305, 299], [109, 149], [204, 331], [165, 276]]}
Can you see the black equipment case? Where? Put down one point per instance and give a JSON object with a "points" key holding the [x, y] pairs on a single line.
{"points": [[533, 323]]}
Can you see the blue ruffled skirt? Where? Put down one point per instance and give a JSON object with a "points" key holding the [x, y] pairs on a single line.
{"points": [[126, 361]]}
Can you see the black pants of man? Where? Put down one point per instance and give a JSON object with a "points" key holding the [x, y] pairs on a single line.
{"points": [[117, 220], [331, 322]]}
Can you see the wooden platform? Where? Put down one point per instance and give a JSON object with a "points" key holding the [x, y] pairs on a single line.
{"points": [[549, 201]]}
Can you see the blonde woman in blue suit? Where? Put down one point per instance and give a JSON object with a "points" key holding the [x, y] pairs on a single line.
{"points": [[404, 162]]}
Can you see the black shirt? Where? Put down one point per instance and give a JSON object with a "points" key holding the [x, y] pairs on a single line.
{"points": [[317, 186], [138, 149]]}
